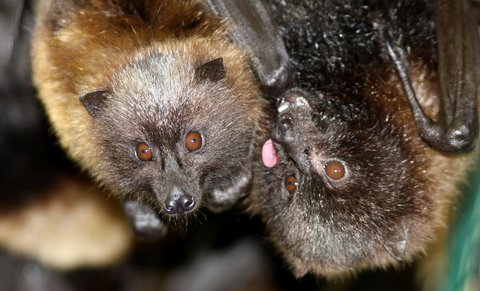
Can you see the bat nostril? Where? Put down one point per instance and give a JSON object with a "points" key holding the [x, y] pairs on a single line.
{"points": [[171, 206], [285, 122], [186, 202]]}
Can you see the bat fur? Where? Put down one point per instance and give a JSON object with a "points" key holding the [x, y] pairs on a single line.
{"points": [[114, 74], [396, 193]]}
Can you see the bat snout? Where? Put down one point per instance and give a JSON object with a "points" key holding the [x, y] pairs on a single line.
{"points": [[178, 202]]}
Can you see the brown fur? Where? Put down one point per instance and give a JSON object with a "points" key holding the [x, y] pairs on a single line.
{"points": [[84, 46], [76, 227]]}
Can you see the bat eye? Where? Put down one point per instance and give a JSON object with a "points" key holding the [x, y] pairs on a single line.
{"points": [[291, 184], [335, 170], [144, 152], [193, 141]]}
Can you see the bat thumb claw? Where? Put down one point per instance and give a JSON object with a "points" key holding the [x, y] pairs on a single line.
{"points": [[396, 249], [398, 244]]}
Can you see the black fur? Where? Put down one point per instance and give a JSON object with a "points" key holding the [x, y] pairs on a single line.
{"points": [[333, 44], [348, 109]]}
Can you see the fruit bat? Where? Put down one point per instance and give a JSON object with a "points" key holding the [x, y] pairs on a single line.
{"points": [[373, 130], [152, 100]]}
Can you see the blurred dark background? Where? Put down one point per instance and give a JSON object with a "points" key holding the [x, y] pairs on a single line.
{"points": [[217, 252]]}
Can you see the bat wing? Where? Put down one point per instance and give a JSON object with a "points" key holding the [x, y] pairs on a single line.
{"points": [[456, 128], [253, 29]]}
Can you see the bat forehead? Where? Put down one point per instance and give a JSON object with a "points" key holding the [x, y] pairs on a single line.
{"points": [[309, 234], [159, 78], [314, 234], [168, 98]]}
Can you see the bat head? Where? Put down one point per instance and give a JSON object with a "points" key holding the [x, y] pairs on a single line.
{"points": [[174, 133], [339, 190]]}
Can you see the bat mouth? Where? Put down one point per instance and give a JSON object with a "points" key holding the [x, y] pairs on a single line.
{"points": [[290, 106], [273, 153], [270, 156]]}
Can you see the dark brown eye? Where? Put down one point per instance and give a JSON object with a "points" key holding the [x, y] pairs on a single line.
{"points": [[193, 141], [144, 152], [291, 184], [335, 170]]}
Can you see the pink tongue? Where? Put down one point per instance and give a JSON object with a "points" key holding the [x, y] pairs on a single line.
{"points": [[269, 154]]}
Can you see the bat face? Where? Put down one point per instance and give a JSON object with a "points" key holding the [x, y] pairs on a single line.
{"points": [[173, 135], [340, 189]]}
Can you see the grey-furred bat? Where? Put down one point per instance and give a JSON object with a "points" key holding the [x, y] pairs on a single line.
{"points": [[153, 100]]}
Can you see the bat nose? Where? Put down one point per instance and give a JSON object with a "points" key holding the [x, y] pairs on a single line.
{"points": [[178, 202]]}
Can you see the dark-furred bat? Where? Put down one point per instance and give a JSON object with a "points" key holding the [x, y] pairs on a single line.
{"points": [[372, 135]]}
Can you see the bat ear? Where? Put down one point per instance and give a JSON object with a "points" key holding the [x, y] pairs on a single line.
{"points": [[213, 70], [95, 101]]}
